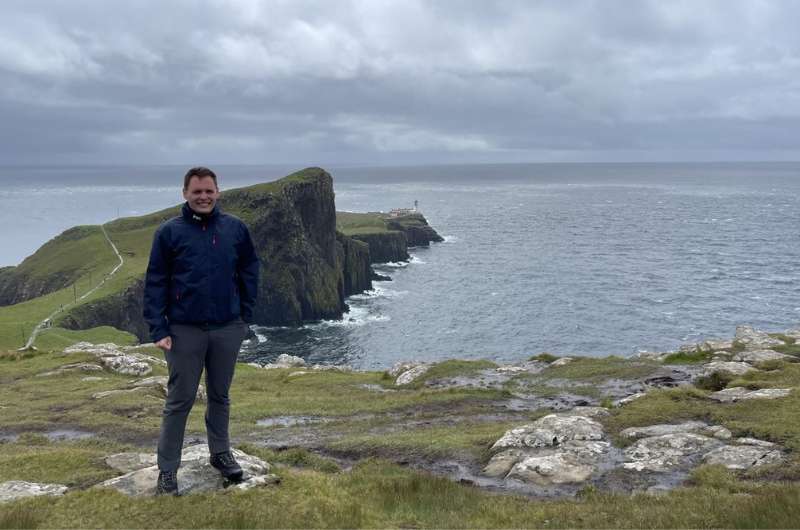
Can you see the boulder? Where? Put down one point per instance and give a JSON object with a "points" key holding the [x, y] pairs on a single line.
{"points": [[630, 398], [194, 475], [561, 361], [698, 427], [12, 490]]}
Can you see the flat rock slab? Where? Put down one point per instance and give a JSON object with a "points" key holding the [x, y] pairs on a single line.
{"points": [[754, 339], [743, 456], [127, 462], [194, 475], [697, 427], [551, 430], [735, 368], [17, 489], [739, 393], [758, 356], [667, 452]]}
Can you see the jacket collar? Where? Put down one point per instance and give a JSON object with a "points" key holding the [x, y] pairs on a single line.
{"points": [[194, 217]]}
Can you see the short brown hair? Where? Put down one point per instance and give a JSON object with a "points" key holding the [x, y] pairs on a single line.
{"points": [[198, 172]]}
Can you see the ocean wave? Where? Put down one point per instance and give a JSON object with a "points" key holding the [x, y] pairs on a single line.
{"points": [[450, 239]]}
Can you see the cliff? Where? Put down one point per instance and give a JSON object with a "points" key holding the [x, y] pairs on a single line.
{"points": [[307, 267], [389, 238]]}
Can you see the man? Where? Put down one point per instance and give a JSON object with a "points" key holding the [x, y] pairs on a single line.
{"points": [[199, 295]]}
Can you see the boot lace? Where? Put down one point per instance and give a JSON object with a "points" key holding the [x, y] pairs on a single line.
{"points": [[226, 459]]}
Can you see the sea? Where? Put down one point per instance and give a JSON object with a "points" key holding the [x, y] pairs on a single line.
{"points": [[570, 259]]}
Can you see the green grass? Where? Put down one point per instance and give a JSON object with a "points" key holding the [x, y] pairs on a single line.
{"points": [[694, 357], [597, 369], [378, 494], [352, 223]]}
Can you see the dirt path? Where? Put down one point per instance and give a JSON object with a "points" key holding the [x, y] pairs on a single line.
{"points": [[41, 325]]}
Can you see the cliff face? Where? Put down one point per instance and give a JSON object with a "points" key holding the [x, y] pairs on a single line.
{"points": [[388, 237], [307, 269], [385, 246], [416, 228]]}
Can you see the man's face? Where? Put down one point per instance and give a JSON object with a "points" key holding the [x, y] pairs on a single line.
{"points": [[202, 194]]}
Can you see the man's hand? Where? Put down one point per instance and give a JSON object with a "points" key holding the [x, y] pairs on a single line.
{"points": [[165, 343]]}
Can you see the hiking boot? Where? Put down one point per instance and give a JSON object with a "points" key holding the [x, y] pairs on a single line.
{"points": [[227, 465], [167, 483]]}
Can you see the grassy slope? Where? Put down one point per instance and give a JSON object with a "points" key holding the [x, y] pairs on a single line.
{"points": [[376, 493]]}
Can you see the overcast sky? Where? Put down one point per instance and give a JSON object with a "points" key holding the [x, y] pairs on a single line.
{"points": [[380, 82]]}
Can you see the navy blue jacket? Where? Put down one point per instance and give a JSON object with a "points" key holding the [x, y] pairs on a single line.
{"points": [[203, 269]]}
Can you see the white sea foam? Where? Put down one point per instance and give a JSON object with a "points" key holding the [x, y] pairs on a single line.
{"points": [[394, 264], [357, 316], [414, 259], [450, 239], [377, 291]]}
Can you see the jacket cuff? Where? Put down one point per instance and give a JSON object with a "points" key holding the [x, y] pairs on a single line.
{"points": [[159, 334]]}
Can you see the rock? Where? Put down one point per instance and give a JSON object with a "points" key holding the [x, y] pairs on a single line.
{"points": [[793, 333], [735, 368], [111, 357], [754, 441], [290, 360], [742, 456], [299, 372], [738, 393], [551, 430], [561, 361], [402, 366], [501, 463], [651, 355], [340, 367], [699, 427], [12, 490], [126, 364], [559, 468], [107, 393], [93, 378], [194, 475], [127, 462], [754, 339], [410, 375], [712, 345], [83, 367], [628, 399], [666, 452], [533, 367], [757, 356]]}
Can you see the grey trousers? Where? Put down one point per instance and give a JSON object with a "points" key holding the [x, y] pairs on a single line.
{"points": [[195, 348]]}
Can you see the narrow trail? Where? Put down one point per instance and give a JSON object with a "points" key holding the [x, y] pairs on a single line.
{"points": [[40, 325]]}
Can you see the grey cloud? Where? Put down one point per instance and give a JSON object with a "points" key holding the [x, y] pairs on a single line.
{"points": [[366, 82]]}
